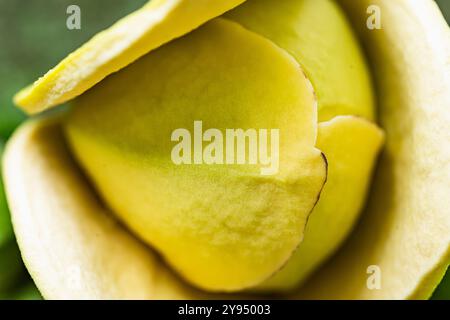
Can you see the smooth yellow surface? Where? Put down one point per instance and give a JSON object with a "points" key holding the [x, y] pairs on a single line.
{"points": [[405, 230], [155, 24], [317, 34], [71, 245], [222, 227], [351, 146]]}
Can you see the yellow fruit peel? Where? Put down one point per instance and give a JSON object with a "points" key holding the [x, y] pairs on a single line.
{"points": [[404, 232], [71, 246], [351, 146], [155, 24], [195, 214], [317, 34]]}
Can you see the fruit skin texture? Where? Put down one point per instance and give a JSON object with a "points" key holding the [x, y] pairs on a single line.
{"points": [[317, 34], [156, 23], [405, 228], [351, 145], [11, 264], [222, 227], [406, 206], [72, 246]]}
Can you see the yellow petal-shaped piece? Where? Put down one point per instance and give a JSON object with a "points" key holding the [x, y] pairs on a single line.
{"points": [[401, 248], [351, 145], [155, 24], [404, 232], [223, 227], [317, 34], [71, 246]]}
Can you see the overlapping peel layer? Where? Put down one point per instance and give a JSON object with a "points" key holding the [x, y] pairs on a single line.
{"points": [[318, 35], [155, 24], [71, 245], [351, 145], [405, 207], [404, 231], [222, 226]]}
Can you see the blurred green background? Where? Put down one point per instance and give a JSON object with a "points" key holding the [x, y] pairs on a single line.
{"points": [[33, 38]]}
